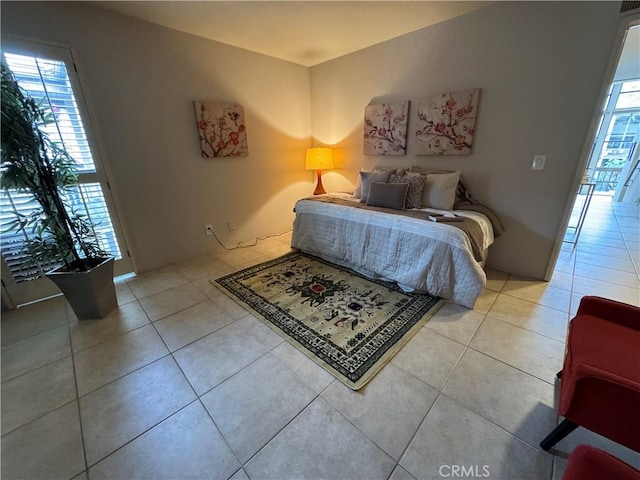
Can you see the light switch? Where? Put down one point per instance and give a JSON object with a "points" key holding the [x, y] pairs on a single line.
{"points": [[538, 162]]}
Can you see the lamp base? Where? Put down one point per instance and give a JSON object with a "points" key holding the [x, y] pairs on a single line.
{"points": [[319, 187]]}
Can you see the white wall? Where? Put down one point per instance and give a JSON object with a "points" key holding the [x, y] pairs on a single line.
{"points": [[540, 66], [140, 82]]}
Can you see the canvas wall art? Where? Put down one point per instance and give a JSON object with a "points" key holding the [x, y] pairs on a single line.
{"points": [[222, 130], [446, 123], [385, 128]]}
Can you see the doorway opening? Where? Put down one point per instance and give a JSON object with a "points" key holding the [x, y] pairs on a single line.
{"points": [[613, 166]]}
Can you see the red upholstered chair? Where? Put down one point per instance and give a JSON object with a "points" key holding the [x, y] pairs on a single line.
{"points": [[589, 463], [600, 378]]}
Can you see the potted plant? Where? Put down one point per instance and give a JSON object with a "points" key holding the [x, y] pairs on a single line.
{"points": [[34, 164]]}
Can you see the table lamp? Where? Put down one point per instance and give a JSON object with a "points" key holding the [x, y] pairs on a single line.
{"points": [[319, 158]]}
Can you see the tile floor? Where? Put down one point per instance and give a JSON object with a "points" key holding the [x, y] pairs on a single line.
{"points": [[181, 382]]}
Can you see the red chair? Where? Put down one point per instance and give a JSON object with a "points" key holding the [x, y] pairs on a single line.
{"points": [[589, 463], [600, 378]]}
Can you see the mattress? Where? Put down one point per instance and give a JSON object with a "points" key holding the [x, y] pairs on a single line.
{"points": [[419, 255]]}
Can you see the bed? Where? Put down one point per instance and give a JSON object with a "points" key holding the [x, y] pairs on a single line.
{"points": [[401, 245]]}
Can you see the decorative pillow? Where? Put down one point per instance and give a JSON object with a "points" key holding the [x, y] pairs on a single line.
{"points": [[440, 190], [416, 184], [388, 195], [367, 178], [357, 193]]}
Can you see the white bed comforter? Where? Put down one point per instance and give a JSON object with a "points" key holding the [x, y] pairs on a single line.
{"points": [[419, 255]]}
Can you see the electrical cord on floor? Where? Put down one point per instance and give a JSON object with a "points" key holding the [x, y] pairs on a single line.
{"points": [[209, 229]]}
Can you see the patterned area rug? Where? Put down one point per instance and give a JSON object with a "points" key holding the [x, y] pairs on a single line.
{"points": [[348, 324]]}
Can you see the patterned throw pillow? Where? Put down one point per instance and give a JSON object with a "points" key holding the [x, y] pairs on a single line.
{"points": [[416, 184]]}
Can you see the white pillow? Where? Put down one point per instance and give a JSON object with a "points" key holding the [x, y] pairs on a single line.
{"points": [[440, 190]]}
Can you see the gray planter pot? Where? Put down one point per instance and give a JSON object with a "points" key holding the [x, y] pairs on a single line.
{"points": [[91, 293]]}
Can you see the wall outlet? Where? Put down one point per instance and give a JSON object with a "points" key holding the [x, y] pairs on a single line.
{"points": [[538, 162], [231, 226], [208, 230]]}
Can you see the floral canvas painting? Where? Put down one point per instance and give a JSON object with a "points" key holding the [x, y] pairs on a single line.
{"points": [[222, 130], [385, 129], [446, 123]]}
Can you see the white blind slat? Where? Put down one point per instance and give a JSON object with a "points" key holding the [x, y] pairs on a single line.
{"points": [[47, 81]]}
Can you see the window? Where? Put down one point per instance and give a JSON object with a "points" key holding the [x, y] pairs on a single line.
{"points": [[48, 81]]}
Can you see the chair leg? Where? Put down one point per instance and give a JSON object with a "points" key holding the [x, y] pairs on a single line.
{"points": [[558, 433]]}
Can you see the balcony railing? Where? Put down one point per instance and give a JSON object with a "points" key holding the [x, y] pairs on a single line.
{"points": [[606, 178]]}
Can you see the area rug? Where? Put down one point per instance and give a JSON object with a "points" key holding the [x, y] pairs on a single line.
{"points": [[348, 324]]}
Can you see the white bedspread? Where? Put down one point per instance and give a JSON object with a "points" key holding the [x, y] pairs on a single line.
{"points": [[419, 255]]}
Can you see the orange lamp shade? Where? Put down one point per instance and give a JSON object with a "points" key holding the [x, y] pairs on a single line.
{"points": [[318, 159]]}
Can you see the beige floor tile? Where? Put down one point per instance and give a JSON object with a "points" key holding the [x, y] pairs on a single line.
{"points": [[232, 308], [124, 293], [243, 258], [388, 410], [203, 268], [606, 262], [539, 292], [37, 393], [454, 435], [171, 301], [87, 333], [561, 280], [206, 287], [155, 281], [48, 448], [31, 320], [261, 332], [234, 404], [521, 404], [122, 410], [297, 452], [34, 352], [456, 322], [189, 325], [592, 248], [312, 374], [429, 356], [114, 358], [601, 240], [614, 291], [608, 275], [185, 445], [229, 349], [495, 279], [531, 316], [240, 475], [401, 474], [530, 352], [485, 300]]}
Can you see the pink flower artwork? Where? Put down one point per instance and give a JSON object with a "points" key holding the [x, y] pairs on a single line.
{"points": [[385, 128], [446, 123], [221, 129]]}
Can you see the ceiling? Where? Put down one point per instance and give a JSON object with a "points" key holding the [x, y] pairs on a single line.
{"points": [[303, 32]]}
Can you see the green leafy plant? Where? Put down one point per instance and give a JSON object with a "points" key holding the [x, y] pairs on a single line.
{"points": [[34, 164]]}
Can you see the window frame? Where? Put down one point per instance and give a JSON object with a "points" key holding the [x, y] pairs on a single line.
{"points": [[24, 292]]}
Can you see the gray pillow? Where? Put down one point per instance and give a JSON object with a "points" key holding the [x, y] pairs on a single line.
{"points": [[440, 190], [416, 187], [367, 178], [388, 195]]}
